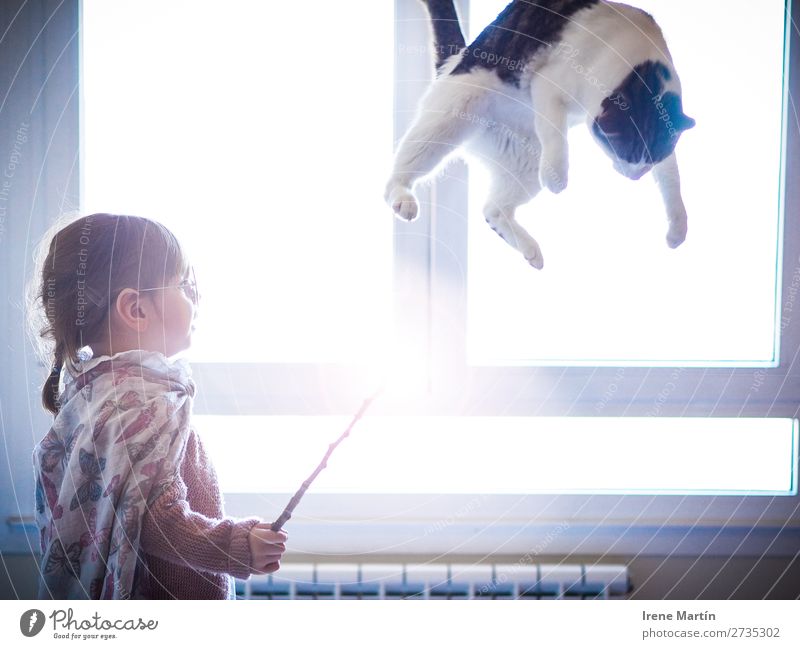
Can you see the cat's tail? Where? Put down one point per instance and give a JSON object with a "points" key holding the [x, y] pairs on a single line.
{"points": [[448, 39]]}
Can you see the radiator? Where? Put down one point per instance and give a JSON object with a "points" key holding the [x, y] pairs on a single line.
{"points": [[438, 581]]}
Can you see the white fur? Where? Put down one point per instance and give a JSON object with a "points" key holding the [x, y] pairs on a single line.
{"points": [[521, 133]]}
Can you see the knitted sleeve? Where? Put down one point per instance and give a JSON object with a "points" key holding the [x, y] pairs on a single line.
{"points": [[173, 532]]}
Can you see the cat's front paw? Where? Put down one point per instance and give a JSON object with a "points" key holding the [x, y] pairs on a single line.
{"points": [[403, 203], [553, 174], [676, 234], [533, 255]]}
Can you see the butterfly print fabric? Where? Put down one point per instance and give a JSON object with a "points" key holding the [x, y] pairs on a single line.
{"points": [[115, 445]]}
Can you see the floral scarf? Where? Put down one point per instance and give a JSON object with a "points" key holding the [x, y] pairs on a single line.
{"points": [[116, 443]]}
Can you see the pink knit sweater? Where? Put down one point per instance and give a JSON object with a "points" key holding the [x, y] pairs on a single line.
{"points": [[189, 550]]}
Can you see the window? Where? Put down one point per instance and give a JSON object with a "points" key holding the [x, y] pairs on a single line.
{"points": [[249, 141], [511, 455], [612, 292], [265, 144]]}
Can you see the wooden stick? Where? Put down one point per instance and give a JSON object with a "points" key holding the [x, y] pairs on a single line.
{"points": [[287, 513]]}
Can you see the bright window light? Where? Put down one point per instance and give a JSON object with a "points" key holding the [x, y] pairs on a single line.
{"points": [[264, 142], [612, 292], [507, 455]]}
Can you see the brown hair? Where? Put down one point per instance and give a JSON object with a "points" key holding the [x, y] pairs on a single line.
{"points": [[88, 262]]}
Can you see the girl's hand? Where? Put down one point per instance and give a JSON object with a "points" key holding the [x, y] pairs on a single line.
{"points": [[267, 548]]}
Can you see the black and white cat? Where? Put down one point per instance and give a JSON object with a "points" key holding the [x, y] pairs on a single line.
{"points": [[541, 67]]}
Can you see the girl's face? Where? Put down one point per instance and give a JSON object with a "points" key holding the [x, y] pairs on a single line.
{"points": [[170, 330]]}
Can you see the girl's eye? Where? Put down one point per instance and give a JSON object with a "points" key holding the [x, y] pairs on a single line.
{"points": [[190, 291]]}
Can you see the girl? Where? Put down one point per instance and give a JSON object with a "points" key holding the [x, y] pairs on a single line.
{"points": [[127, 501]]}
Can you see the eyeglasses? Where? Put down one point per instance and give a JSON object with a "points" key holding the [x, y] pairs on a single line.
{"points": [[188, 286]]}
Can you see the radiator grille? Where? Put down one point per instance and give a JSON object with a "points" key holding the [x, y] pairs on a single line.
{"points": [[438, 581]]}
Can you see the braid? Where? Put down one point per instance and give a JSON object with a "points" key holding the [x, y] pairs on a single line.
{"points": [[50, 389]]}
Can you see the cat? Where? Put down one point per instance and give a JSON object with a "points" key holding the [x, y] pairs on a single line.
{"points": [[540, 68]]}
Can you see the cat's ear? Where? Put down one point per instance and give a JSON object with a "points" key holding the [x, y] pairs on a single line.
{"points": [[684, 122], [610, 119], [674, 108]]}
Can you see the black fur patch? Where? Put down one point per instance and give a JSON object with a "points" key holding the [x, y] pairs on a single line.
{"points": [[521, 29], [447, 36], [639, 123]]}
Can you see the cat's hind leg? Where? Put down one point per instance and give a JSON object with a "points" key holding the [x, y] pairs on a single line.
{"points": [[550, 121], [510, 188], [448, 116]]}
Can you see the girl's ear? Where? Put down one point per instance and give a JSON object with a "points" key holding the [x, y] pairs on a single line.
{"points": [[131, 311]]}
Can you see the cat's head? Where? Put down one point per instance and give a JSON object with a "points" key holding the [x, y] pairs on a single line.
{"points": [[640, 122]]}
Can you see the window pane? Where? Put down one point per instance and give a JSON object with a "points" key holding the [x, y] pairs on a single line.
{"points": [[507, 455], [263, 139], [611, 291]]}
